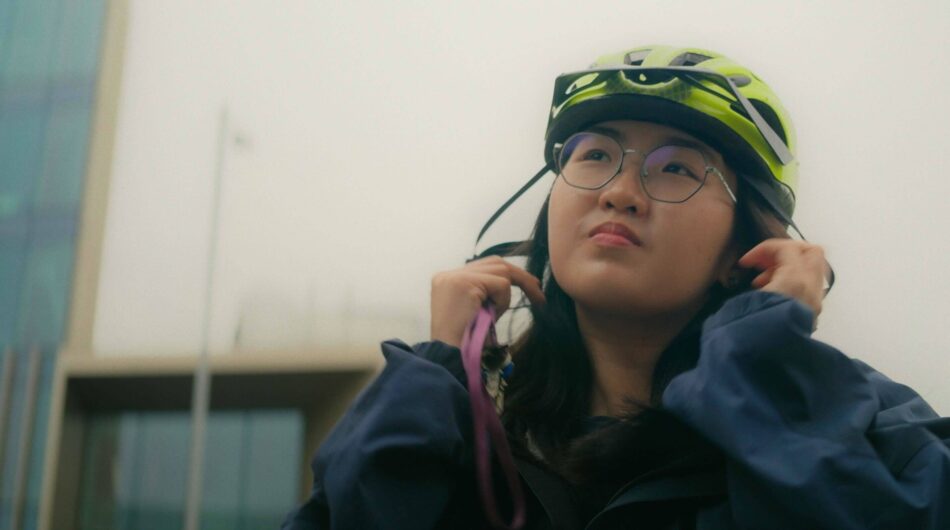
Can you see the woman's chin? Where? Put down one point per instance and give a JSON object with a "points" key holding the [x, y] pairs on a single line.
{"points": [[629, 296]]}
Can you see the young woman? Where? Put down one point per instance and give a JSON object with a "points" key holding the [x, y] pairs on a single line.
{"points": [[668, 378]]}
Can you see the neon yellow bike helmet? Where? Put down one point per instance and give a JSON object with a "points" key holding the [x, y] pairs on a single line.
{"points": [[698, 91]]}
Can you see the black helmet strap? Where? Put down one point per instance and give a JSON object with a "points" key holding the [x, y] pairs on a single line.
{"points": [[768, 195], [505, 248]]}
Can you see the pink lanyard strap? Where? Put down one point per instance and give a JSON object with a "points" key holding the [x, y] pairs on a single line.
{"points": [[487, 424]]}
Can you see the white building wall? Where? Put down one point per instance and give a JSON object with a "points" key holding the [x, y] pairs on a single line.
{"points": [[376, 137]]}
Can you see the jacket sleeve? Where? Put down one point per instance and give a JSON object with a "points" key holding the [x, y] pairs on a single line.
{"points": [[393, 460], [813, 439]]}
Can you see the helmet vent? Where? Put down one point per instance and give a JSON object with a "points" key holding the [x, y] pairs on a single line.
{"points": [[689, 59], [768, 113], [636, 58]]}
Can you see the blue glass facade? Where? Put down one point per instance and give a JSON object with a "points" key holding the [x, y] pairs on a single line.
{"points": [[49, 55]]}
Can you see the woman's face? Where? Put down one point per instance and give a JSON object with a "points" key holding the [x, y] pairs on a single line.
{"points": [[679, 249]]}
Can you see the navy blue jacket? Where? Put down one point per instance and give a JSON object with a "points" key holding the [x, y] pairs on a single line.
{"points": [[811, 439]]}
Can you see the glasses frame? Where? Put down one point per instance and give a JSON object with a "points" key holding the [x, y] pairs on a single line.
{"points": [[690, 75], [643, 168]]}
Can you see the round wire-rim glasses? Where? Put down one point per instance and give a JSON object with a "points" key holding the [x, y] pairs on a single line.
{"points": [[578, 138]]}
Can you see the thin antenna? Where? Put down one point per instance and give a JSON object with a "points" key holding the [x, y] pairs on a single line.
{"points": [[201, 388]]}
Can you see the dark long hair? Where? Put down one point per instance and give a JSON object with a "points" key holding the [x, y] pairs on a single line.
{"points": [[548, 399]]}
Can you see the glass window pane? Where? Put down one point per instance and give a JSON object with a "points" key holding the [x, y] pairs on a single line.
{"points": [[134, 470], [30, 40], [59, 183], [273, 461], [21, 138], [34, 482], [78, 53], [12, 267], [162, 470], [97, 491], [44, 300], [15, 426], [223, 480]]}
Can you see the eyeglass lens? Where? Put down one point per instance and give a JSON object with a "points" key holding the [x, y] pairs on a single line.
{"points": [[669, 173]]}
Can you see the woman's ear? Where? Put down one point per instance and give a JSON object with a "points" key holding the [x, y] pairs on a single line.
{"points": [[733, 280], [730, 274]]}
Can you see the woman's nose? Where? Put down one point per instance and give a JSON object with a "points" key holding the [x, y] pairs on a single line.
{"points": [[625, 191]]}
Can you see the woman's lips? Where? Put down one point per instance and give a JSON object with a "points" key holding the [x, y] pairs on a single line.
{"points": [[614, 234], [612, 240]]}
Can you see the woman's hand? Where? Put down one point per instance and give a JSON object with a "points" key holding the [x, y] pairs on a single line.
{"points": [[794, 268], [458, 294]]}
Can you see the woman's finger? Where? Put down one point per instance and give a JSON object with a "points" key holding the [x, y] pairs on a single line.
{"points": [[519, 277], [529, 284], [762, 279], [496, 288], [794, 268], [770, 253]]}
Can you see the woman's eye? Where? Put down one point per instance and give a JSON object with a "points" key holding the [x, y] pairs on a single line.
{"points": [[596, 156], [681, 170]]}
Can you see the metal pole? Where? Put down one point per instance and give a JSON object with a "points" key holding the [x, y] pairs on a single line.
{"points": [[201, 389], [6, 384], [26, 436]]}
